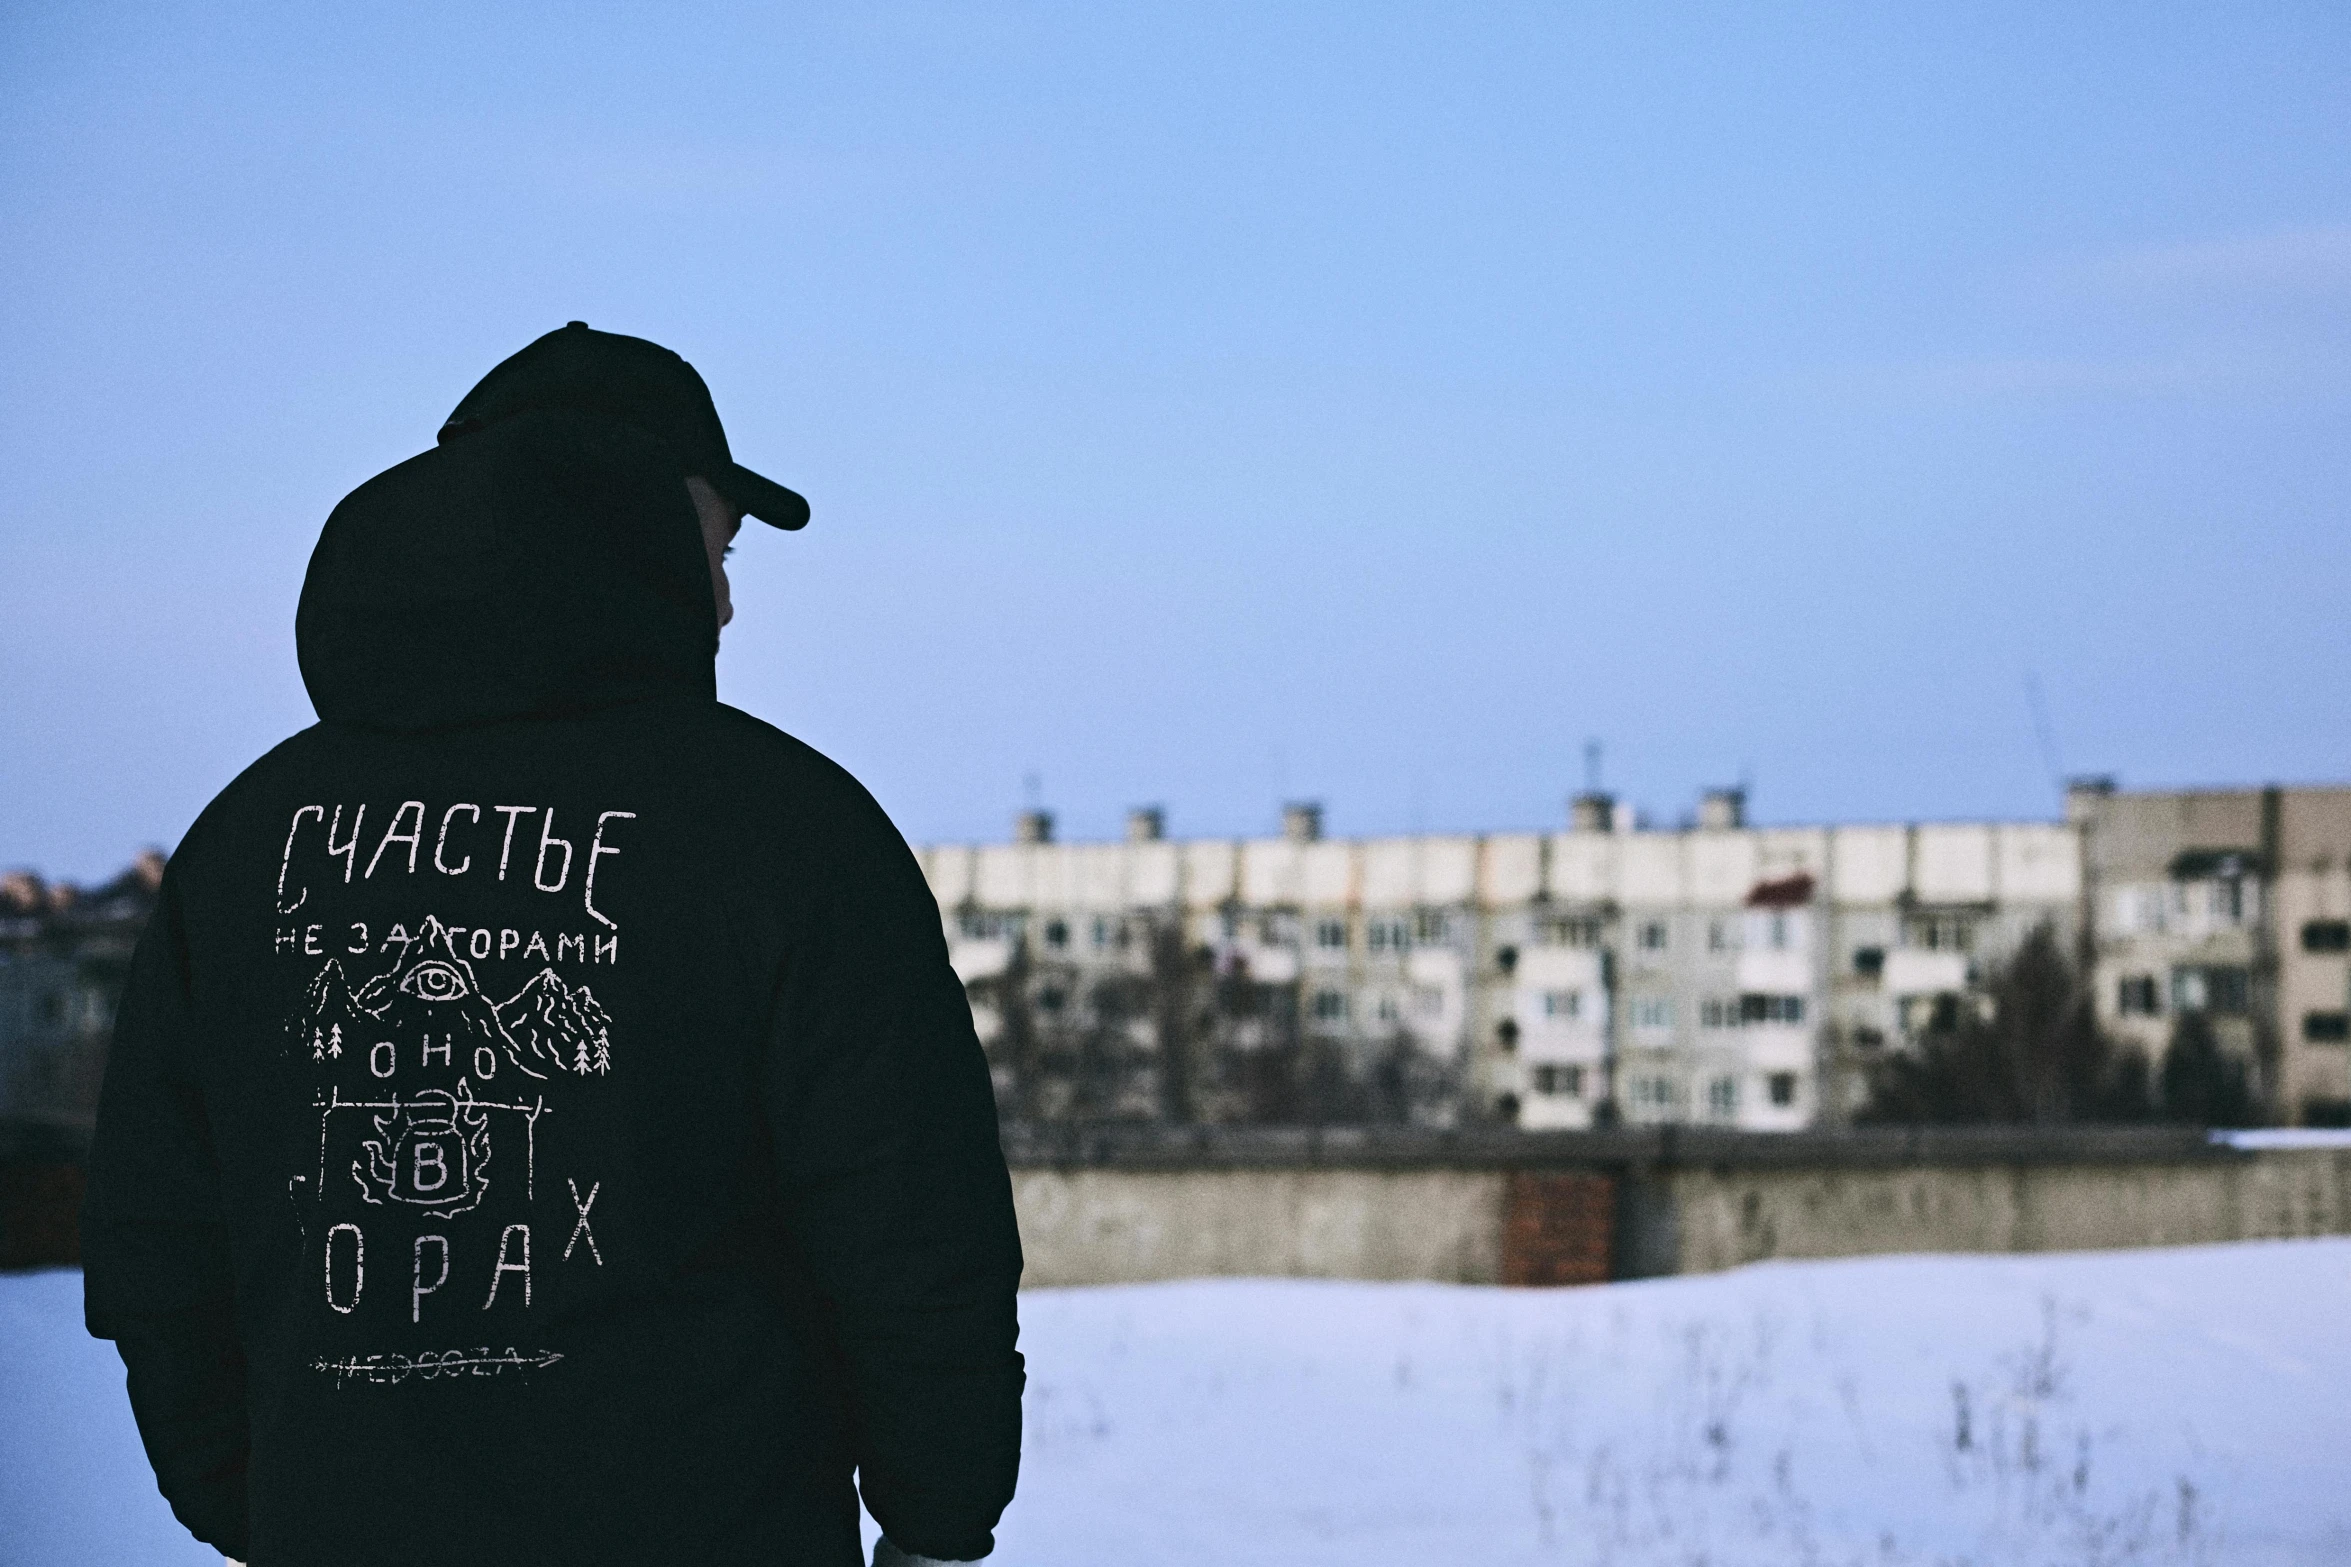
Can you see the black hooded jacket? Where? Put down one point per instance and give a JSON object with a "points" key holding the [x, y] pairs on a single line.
{"points": [[543, 1125]]}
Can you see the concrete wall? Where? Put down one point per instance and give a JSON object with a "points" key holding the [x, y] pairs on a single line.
{"points": [[1723, 1218], [1140, 1204], [1108, 1226], [1133, 1206]]}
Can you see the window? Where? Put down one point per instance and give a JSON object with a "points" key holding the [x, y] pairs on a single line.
{"points": [[1506, 959], [2137, 995], [1722, 1096], [1506, 1033], [1718, 1013], [2326, 1028], [1563, 1004], [1721, 936], [1330, 1006], [1939, 932], [1867, 1038], [1654, 1093], [1869, 962], [1777, 929], [2194, 905], [1580, 931], [1771, 1009], [1050, 1000], [1386, 935], [2220, 989], [2327, 936], [1057, 933], [1566, 1082], [1107, 933], [1433, 928], [1331, 935], [1278, 930], [976, 925], [1653, 1012], [1653, 935], [1385, 1009], [1781, 1086], [1428, 1002]]}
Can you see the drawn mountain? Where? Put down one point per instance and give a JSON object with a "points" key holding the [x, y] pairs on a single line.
{"points": [[559, 1024], [436, 1013], [432, 939], [329, 1020]]}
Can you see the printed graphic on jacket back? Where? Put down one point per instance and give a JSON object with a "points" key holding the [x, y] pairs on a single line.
{"points": [[441, 1202]]}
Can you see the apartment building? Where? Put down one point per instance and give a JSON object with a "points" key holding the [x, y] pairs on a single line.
{"points": [[2234, 904], [1718, 973], [65, 953]]}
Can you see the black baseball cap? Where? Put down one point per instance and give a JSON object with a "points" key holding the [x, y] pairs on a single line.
{"points": [[639, 383]]}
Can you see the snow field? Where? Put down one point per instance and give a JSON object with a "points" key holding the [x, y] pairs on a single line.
{"points": [[2088, 1410], [2188, 1406]]}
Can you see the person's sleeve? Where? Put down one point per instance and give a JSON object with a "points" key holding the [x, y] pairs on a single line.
{"points": [[155, 1253], [885, 1124]]}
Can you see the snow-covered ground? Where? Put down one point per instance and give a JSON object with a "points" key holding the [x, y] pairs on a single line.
{"points": [[2185, 1406]]}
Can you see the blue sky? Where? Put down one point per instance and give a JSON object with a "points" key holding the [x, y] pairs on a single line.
{"points": [[1210, 404]]}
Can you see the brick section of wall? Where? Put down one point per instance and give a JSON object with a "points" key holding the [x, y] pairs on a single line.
{"points": [[1558, 1228], [40, 1214]]}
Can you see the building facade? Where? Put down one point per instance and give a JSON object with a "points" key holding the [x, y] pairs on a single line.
{"points": [[1717, 973], [2232, 905], [1720, 973], [65, 953]]}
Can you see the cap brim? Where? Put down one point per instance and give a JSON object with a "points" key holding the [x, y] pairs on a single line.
{"points": [[763, 498]]}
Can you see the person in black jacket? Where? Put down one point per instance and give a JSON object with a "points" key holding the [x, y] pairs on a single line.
{"points": [[542, 1124]]}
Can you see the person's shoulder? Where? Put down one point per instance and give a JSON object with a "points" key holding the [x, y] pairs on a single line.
{"points": [[788, 777], [754, 742]]}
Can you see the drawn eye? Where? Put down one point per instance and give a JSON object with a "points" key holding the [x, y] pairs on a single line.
{"points": [[434, 982]]}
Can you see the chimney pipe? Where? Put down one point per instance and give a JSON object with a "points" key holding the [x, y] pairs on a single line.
{"points": [[1302, 821], [2086, 794], [1592, 811]]}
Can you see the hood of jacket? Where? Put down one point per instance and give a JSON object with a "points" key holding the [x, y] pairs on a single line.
{"points": [[550, 563]]}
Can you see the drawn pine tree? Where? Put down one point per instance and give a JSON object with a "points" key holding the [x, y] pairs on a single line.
{"points": [[580, 1062], [318, 1045], [335, 1043], [603, 1052]]}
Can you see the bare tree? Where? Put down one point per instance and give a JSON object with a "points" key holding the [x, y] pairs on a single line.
{"points": [[2034, 1054], [1017, 1049], [1172, 1000]]}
